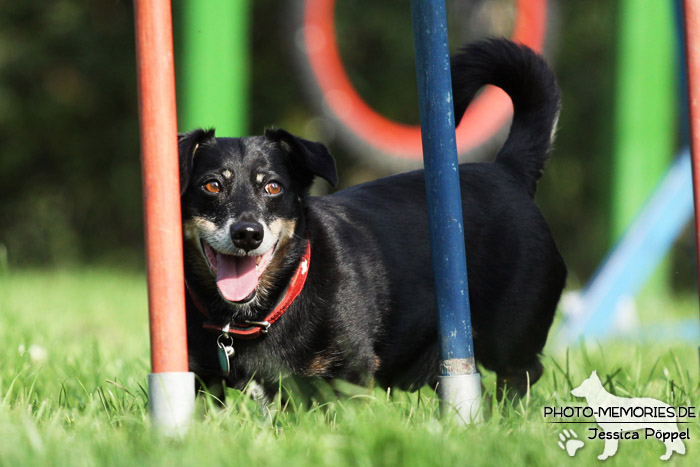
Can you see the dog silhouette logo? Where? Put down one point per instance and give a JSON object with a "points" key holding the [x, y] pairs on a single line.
{"points": [[623, 417]]}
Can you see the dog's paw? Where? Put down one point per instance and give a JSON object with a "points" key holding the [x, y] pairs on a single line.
{"points": [[569, 442]]}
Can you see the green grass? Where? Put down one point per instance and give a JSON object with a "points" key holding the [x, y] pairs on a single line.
{"points": [[74, 361]]}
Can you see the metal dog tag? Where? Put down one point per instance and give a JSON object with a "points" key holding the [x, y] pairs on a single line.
{"points": [[225, 350]]}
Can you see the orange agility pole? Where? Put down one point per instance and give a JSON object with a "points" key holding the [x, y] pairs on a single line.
{"points": [[692, 49], [170, 384]]}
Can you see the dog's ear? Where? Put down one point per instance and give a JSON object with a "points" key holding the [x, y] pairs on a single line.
{"points": [[187, 144], [312, 158]]}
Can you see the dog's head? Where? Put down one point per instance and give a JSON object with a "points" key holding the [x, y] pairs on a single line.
{"points": [[243, 209], [589, 387]]}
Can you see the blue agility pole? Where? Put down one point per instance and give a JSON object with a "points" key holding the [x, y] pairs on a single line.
{"points": [[459, 382], [630, 263]]}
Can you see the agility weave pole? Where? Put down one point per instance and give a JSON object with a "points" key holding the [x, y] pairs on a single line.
{"points": [[170, 385], [214, 65], [459, 383], [691, 11]]}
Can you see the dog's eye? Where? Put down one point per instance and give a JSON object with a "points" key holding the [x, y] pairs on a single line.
{"points": [[273, 188], [213, 186]]}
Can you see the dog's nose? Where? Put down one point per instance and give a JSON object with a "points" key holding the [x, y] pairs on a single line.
{"points": [[247, 235]]}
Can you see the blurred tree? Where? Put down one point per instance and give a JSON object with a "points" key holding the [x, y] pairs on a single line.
{"points": [[69, 174]]}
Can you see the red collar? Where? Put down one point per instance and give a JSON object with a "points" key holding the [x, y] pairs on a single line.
{"points": [[253, 329]]}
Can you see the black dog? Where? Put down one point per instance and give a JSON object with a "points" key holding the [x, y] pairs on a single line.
{"points": [[341, 286]]}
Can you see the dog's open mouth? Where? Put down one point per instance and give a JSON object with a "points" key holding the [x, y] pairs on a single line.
{"points": [[237, 276]]}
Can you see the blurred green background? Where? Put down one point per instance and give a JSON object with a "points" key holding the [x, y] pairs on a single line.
{"points": [[70, 186]]}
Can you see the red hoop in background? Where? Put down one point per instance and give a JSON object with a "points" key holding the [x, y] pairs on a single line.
{"points": [[485, 116]]}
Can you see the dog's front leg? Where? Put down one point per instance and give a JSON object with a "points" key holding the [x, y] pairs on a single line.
{"points": [[262, 395], [609, 449]]}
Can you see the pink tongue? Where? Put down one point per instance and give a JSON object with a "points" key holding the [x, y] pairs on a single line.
{"points": [[235, 276]]}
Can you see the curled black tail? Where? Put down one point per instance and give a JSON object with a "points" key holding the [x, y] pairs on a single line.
{"points": [[532, 87]]}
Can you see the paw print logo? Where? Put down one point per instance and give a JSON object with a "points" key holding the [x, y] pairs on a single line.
{"points": [[569, 442]]}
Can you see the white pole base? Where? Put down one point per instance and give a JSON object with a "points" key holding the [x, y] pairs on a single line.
{"points": [[171, 402], [461, 394]]}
